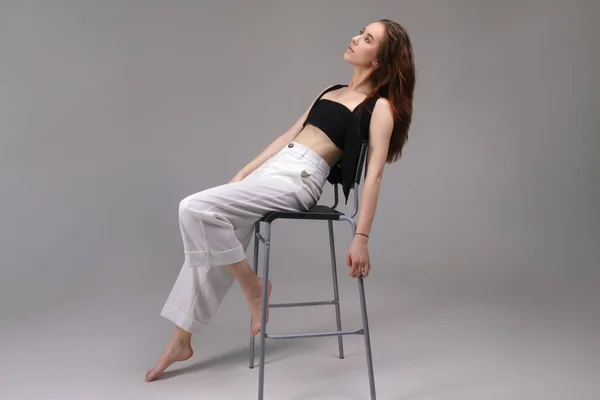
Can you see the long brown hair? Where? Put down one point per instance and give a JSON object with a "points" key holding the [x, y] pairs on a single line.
{"points": [[394, 79]]}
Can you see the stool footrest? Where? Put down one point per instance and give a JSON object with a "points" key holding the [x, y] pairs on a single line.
{"points": [[303, 304], [318, 334]]}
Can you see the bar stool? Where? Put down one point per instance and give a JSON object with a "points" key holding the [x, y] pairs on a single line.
{"points": [[320, 213]]}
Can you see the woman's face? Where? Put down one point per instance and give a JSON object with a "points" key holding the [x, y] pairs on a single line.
{"points": [[363, 48]]}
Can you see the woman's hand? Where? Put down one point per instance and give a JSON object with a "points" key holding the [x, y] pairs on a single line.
{"points": [[357, 257]]}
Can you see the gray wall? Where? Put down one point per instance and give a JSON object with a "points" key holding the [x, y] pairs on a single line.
{"points": [[111, 112]]}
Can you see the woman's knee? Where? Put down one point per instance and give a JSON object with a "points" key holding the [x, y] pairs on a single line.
{"points": [[197, 202]]}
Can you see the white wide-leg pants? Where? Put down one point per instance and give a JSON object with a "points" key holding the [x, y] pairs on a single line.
{"points": [[217, 225]]}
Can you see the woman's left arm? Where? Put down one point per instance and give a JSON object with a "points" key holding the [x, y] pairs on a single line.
{"points": [[380, 132]]}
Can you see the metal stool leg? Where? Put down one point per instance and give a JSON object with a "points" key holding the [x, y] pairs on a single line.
{"points": [[336, 296], [363, 307], [263, 317], [255, 267]]}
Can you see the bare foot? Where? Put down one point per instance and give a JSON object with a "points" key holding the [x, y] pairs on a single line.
{"points": [[255, 307], [178, 349]]}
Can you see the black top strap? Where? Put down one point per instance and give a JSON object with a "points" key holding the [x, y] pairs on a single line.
{"points": [[329, 89]]}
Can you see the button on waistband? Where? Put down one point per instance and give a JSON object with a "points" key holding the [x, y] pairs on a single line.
{"points": [[291, 145]]}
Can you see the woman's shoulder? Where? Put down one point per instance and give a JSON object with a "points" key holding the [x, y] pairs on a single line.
{"points": [[382, 110], [382, 103]]}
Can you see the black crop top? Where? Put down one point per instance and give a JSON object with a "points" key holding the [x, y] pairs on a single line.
{"points": [[332, 118], [349, 130]]}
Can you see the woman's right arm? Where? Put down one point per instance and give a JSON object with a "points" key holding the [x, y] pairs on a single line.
{"points": [[274, 146]]}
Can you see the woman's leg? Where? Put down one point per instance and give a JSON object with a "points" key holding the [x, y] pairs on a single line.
{"points": [[179, 347], [252, 286], [217, 226], [196, 296], [199, 291]]}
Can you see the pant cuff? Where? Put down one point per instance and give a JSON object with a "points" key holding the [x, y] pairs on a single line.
{"points": [[213, 258], [184, 321]]}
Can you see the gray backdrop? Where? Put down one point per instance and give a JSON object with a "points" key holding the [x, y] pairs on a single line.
{"points": [[486, 234]]}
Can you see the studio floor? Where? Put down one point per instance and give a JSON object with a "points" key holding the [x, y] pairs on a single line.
{"points": [[436, 334]]}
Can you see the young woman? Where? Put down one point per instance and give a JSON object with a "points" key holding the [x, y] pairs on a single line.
{"points": [[217, 223]]}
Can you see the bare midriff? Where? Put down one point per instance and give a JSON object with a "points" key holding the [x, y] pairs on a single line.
{"points": [[316, 140]]}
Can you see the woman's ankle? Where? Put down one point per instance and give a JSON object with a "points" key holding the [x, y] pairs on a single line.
{"points": [[182, 334]]}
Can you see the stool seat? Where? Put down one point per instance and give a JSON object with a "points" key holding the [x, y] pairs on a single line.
{"points": [[318, 212]]}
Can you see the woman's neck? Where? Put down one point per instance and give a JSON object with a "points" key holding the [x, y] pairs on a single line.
{"points": [[360, 82]]}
